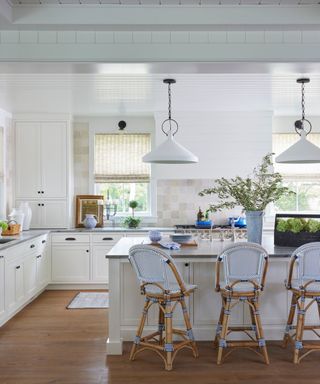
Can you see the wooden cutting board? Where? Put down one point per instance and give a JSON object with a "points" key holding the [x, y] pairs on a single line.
{"points": [[191, 243]]}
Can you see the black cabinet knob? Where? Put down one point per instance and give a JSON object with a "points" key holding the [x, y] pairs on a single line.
{"points": [[18, 267], [38, 257], [42, 205], [42, 191], [186, 264], [87, 250], [39, 205], [32, 246], [38, 191], [43, 241]]}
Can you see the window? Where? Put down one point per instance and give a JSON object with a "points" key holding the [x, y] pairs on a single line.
{"points": [[304, 179], [119, 173]]}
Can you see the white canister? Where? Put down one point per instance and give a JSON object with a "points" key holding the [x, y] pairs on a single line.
{"points": [[24, 207], [16, 215]]}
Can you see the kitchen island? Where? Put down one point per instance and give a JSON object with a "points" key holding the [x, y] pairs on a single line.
{"points": [[197, 265]]}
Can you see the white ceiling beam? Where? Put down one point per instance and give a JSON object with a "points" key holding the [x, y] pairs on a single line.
{"points": [[171, 18]]}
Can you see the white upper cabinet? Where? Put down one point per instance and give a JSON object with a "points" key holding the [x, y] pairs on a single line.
{"points": [[53, 159], [28, 160], [41, 160]]}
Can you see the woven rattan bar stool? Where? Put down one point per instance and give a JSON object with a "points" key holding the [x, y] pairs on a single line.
{"points": [[305, 288], [245, 267], [162, 284]]}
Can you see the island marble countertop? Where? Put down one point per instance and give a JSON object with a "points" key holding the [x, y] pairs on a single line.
{"points": [[204, 249]]}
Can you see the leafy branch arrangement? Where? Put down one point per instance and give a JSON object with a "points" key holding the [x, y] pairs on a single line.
{"points": [[253, 193]]}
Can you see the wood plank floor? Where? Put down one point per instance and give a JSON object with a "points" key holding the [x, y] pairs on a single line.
{"points": [[47, 344]]}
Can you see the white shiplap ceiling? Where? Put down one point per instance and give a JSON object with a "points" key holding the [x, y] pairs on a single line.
{"points": [[125, 94], [166, 2]]}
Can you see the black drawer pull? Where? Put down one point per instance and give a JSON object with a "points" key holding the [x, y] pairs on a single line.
{"points": [[1, 257], [108, 238], [32, 246], [18, 267], [186, 264], [43, 241], [87, 250], [70, 238], [38, 257]]}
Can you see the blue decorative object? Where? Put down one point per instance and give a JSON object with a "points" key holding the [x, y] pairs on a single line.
{"points": [[204, 224], [239, 222], [155, 236], [90, 221]]}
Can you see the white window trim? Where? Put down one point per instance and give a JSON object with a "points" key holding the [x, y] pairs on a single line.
{"points": [[147, 217]]}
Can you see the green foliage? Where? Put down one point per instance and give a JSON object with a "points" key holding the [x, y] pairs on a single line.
{"points": [[133, 204], [253, 193], [131, 222], [282, 225], [295, 225], [3, 225], [312, 226]]}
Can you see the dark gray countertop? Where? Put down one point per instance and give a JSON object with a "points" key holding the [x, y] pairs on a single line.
{"points": [[205, 248], [22, 237], [115, 229]]}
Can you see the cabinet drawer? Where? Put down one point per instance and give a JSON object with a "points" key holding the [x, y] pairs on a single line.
{"points": [[106, 238], [70, 238]]}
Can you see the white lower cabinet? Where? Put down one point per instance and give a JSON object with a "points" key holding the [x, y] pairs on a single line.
{"points": [[30, 275], [100, 265], [20, 275], [70, 263], [2, 308]]}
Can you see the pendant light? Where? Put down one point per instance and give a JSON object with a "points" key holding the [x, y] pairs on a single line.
{"points": [[170, 152], [303, 151]]}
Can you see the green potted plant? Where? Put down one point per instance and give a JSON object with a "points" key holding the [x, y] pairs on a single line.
{"points": [[3, 226], [253, 193], [131, 221]]}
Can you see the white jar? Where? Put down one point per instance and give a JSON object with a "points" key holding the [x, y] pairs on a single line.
{"points": [[16, 215], [24, 207]]}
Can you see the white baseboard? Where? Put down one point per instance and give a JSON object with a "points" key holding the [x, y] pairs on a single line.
{"points": [[72, 286]]}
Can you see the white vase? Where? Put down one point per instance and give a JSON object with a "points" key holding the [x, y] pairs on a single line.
{"points": [[17, 216], [24, 207]]}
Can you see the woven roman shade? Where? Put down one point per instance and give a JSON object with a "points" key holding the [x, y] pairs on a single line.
{"points": [[118, 158], [281, 142]]}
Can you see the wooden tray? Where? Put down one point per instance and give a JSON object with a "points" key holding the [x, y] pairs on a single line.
{"points": [[191, 243]]}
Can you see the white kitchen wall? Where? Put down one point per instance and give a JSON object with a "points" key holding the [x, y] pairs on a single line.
{"points": [[227, 143], [7, 158]]}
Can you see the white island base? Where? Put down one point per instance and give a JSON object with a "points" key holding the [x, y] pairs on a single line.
{"points": [[197, 265]]}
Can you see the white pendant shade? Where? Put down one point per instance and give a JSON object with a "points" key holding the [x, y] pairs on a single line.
{"points": [[170, 152], [303, 151]]}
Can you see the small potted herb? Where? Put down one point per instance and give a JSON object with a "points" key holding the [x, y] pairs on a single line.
{"points": [[131, 221], [3, 226]]}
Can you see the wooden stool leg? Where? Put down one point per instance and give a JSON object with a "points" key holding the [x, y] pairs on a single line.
{"points": [[259, 331], [219, 325], [160, 324], [140, 329], [299, 332], [188, 327], [224, 330], [290, 320], [168, 346]]}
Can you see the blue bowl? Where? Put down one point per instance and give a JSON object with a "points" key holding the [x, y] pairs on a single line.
{"points": [[204, 224], [239, 222], [155, 236]]}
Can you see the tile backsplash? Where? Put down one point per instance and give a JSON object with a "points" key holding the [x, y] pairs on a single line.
{"points": [[178, 202]]}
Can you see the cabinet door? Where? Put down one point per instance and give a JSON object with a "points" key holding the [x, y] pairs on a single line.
{"points": [[54, 214], [30, 275], [14, 291], [28, 159], [36, 219], [43, 269], [54, 159], [70, 264], [100, 265], [1, 286]]}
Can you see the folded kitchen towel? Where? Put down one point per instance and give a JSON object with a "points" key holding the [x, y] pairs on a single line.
{"points": [[169, 244]]}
